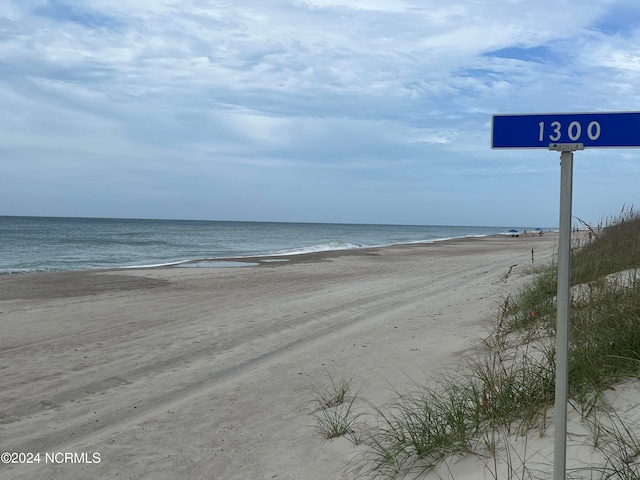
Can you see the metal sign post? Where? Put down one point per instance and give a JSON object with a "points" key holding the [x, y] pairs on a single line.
{"points": [[563, 303], [566, 133]]}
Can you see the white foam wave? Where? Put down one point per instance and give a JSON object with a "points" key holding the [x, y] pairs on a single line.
{"points": [[435, 240], [20, 271], [323, 247], [217, 264], [156, 265]]}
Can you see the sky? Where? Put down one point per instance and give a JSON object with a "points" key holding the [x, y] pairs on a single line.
{"points": [[346, 111]]}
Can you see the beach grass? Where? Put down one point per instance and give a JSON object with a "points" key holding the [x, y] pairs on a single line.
{"points": [[422, 428], [605, 309], [332, 394], [618, 444], [509, 388], [334, 410]]}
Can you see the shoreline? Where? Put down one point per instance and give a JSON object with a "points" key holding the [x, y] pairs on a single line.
{"points": [[208, 372], [79, 282], [264, 257], [328, 253]]}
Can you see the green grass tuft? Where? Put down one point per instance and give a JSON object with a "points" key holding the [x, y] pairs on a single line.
{"points": [[334, 410]]}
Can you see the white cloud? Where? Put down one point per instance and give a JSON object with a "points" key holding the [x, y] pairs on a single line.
{"points": [[301, 88]]}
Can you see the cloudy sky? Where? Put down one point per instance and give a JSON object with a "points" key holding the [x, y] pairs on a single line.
{"points": [[357, 111]]}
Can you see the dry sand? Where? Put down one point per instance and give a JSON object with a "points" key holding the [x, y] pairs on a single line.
{"points": [[208, 372]]}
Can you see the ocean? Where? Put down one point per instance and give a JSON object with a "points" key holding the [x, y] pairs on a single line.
{"points": [[46, 244]]}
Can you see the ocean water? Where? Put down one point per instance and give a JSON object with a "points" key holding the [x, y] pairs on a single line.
{"points": [[41, 244]]}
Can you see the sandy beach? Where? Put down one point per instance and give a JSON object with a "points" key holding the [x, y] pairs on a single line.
{"points": [[208, 373]]}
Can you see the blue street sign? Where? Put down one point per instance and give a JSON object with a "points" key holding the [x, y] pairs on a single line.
{"points": [[593, 130]]}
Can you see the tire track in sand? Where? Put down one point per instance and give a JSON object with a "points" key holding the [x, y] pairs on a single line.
{"points": [[93, 428]]}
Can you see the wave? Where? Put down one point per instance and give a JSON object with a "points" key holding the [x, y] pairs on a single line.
{"points": [[155, 265], [322, 247], [20, 271], [224, 260], [326, 247], [86, 267]]}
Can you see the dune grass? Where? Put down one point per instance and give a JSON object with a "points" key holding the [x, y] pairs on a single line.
{"points": [[334, 410], [510, 387], [605, 309]]}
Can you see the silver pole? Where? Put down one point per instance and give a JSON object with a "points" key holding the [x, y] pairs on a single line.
{"points": [[562, 326]]}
